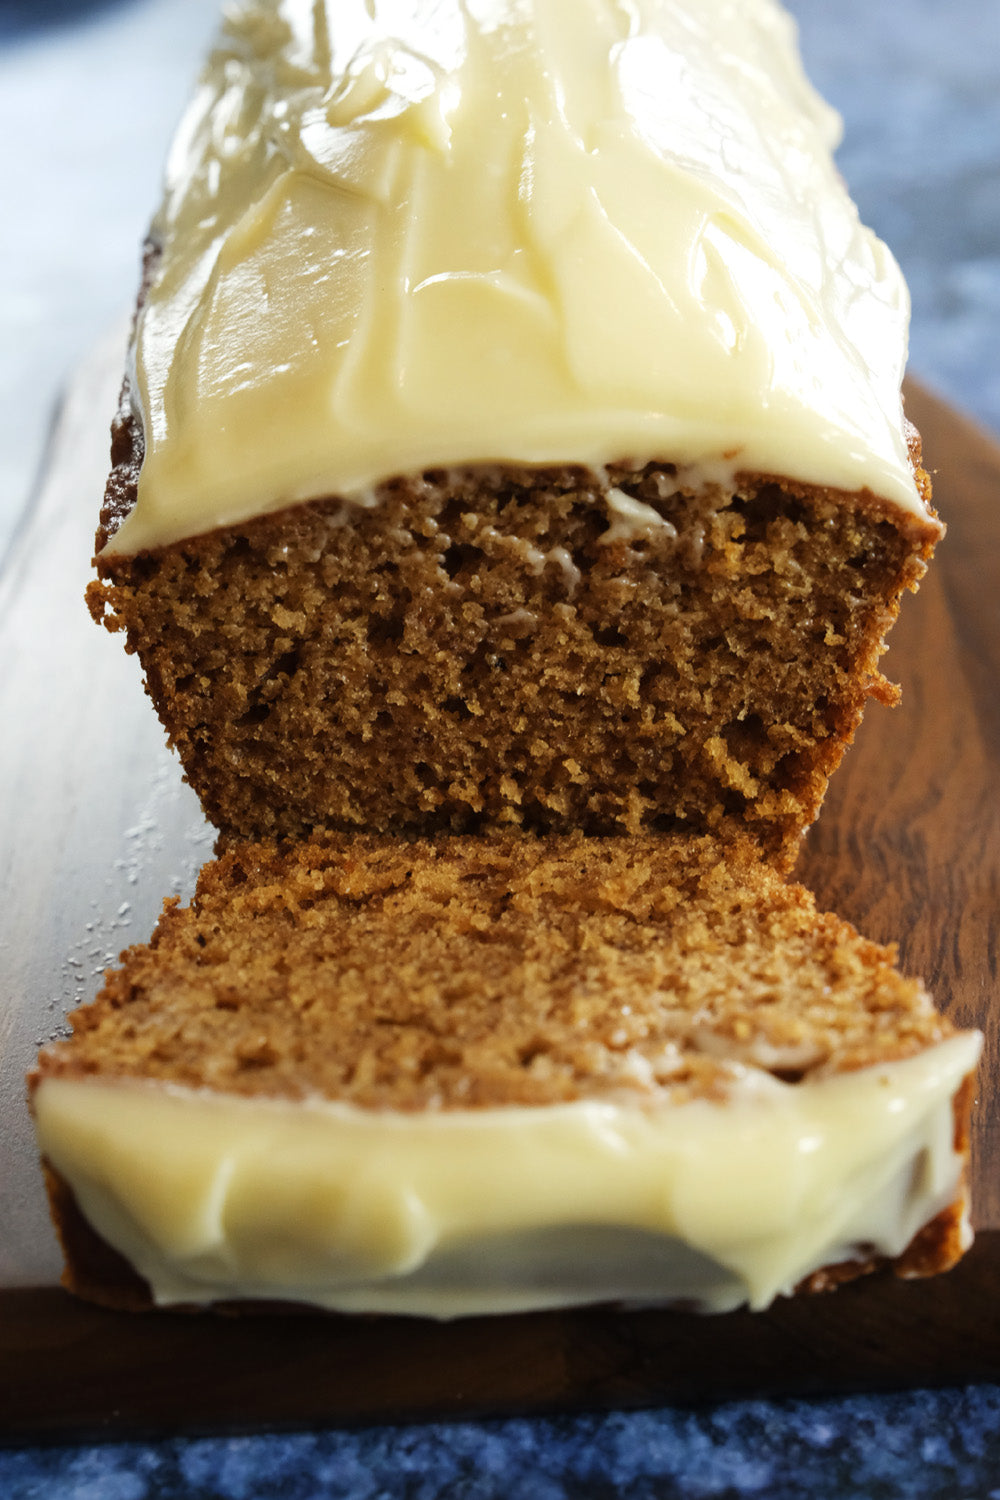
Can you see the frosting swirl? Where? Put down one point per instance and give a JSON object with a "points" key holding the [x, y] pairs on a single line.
{"points": [[401, 234]]}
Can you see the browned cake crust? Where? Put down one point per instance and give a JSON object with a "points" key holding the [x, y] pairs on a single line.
{"points": [[467, 973], [483, 648]]}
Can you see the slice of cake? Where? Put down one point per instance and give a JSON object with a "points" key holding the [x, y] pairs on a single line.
{"points": [[472, 1076], [514, 403]]}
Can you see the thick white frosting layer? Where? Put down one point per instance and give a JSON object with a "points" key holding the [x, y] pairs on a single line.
{"points": [[401, 234], [449, 1213]]}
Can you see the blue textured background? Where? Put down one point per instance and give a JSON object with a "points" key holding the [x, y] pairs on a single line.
{"points": [[89, 92], [925, 1445], [918, 84]]}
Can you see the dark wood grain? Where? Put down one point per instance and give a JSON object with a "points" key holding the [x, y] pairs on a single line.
{"points": [[908, 847], [117, 1373], [908, 844]]}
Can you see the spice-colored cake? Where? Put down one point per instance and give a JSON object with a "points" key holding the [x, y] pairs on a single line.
{"points": [[513, 432], [510, 498], [476, 1075]]}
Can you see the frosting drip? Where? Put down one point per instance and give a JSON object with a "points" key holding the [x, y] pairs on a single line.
{"points": [[448, 1213], [401, 234]]}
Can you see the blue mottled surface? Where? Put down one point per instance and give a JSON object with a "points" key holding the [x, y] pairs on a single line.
{"points": [[942, 1445], [918, 82]]}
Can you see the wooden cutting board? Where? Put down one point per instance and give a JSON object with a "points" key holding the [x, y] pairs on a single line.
{"points": [[96, 827]]}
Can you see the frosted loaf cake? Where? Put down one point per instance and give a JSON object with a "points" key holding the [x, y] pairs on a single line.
{"points": [[511, 458], [486, 1075], [514, 402]]}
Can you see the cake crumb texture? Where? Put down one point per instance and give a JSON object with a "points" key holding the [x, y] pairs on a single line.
{"points": [[495, 648], [466, 973]]}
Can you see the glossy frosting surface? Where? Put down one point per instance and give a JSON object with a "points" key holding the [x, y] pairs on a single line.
{"points": [[449, 1213], [401, 234]]}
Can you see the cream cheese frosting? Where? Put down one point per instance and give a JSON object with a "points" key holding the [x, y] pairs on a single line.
{"points": [[448, 1213], [403, 234]]}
